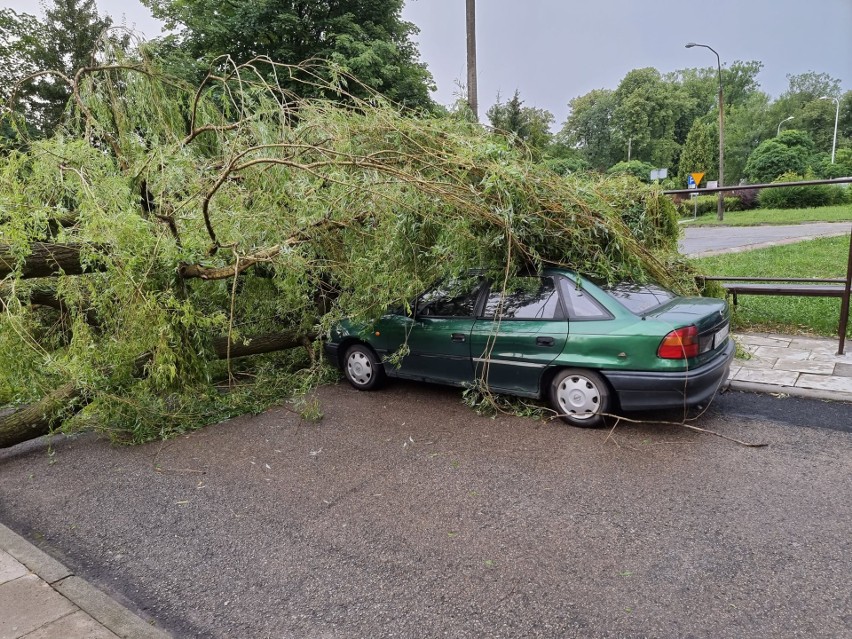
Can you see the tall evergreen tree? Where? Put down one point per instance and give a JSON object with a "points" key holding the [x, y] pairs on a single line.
{"points": [[700, 152], [530, 124]]}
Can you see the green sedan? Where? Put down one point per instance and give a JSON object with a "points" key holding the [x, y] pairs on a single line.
{"points": [[590, 350]]}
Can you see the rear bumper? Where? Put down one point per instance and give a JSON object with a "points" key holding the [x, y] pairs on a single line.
{"points": [[647, 391]]}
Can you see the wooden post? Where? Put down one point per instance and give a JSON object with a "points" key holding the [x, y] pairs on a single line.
{"points": [[471, 59]]}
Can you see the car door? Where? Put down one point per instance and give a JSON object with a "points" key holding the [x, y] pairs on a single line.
{"points": [[437, 337], [520, 331]]}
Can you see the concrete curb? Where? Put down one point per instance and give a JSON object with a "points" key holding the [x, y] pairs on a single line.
{"points": [[102, 608], [792, 391]]}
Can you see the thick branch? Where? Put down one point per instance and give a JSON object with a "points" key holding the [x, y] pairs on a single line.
{"points": [[37, 419], [46, 260], [190, 271], [258, 344]]}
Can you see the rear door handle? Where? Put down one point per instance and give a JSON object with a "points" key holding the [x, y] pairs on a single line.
{"points": [[458, 337], [544, 341]]}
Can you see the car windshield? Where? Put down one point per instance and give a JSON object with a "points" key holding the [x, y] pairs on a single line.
{"points": [[640, 298]]}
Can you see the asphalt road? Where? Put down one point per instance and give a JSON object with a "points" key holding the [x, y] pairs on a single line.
{"points": [[404, 514], [712, 240]]}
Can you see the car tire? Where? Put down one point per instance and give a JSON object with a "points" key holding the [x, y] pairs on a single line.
{"points": [[580, 397], [362, 368]]}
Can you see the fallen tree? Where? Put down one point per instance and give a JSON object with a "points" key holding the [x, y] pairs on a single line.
{"points": [[35, 420], [164, 214]]}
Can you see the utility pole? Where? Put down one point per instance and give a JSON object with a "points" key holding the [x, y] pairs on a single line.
{"points": [[471, 59]]}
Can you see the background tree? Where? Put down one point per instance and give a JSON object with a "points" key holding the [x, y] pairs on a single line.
{"points": [[589, 128], [367, 38], [530, 124], [644, 117], [63, 41], [789, 152], [746, 125]]}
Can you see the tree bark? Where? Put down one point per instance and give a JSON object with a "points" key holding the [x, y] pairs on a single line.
{"points": [[36, 419], [46, 260], [259, 344]]}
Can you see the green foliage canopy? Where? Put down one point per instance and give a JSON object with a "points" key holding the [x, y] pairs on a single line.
{"points": [[366, 38], [297, 211]]}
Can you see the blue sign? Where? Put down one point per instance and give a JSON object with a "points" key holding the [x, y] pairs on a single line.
{"points": [[690, 182]]}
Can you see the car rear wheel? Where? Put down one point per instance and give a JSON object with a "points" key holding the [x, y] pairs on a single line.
{"points": [[580, 397], [362, 368]]}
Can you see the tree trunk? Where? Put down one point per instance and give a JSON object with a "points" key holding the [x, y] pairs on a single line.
{"points": [[258, 344], [45, 260], [35, 420]]}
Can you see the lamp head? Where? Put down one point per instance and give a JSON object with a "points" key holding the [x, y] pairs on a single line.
{"points": [[689, 45]]}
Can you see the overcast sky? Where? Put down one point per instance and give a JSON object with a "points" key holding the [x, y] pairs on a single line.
{"points": [[554, 50]]}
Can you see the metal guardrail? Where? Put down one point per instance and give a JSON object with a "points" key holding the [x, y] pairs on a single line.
{"points": [[800, 291]]}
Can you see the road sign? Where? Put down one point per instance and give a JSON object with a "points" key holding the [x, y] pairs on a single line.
{"points": [[696, 178], [690, 183]]}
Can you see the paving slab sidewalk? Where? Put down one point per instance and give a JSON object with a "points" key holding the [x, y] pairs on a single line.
{"points": [[42, 599], [793, 365]]}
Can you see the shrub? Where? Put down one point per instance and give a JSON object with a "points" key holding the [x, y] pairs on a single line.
{"points": [[801, 197], [747, 198], [638, 169], [705, 204]]}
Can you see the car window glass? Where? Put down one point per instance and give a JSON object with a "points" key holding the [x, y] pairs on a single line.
{"points": [[525, 298], [581, 305], [640, 298], [456, 298]]}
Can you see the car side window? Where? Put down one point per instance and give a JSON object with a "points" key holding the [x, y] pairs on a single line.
{"points": [[527, 298], [581, 305], [451, 299]]}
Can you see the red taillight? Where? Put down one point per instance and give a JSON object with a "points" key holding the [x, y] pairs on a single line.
{"points": [[679, 344]]}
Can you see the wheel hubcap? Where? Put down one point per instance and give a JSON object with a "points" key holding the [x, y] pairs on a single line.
{"points": [[578, 397], [360, 368]]}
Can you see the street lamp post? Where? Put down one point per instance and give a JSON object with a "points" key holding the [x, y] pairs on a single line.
{"points": [[720, 209], [778, 132], [836, 117]]}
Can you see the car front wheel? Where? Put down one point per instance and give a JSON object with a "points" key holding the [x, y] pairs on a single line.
{"points": [[362, 368], [580, 397]]}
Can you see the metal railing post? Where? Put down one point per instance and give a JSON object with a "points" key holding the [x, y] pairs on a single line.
{"points": [[844, 303]]}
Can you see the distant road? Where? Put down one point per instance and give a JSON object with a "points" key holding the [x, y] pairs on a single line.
{"points": [[712, 240]]}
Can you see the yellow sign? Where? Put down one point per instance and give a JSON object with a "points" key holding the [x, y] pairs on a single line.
{"points": [[697, 177]]}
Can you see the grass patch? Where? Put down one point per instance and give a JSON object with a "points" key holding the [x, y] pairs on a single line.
{"points": [[841, 213], [825, 257]]}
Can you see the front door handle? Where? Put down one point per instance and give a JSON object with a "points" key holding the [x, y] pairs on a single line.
{"points": [[544, 341], [458, 337]]}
